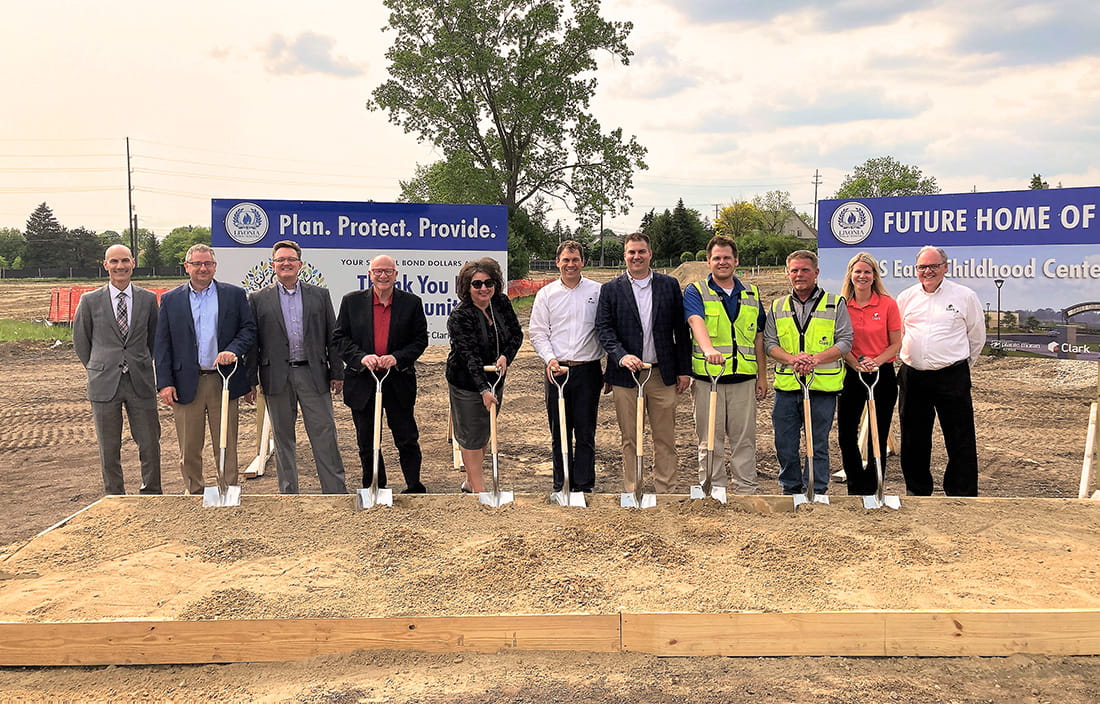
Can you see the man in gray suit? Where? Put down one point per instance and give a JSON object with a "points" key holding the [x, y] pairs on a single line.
{"points": [[298, 365], [113, 332]]}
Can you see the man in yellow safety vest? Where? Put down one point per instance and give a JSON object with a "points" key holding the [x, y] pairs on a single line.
{"points": [[807, 331]]}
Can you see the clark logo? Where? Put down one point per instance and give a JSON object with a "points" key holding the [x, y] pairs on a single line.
{"points": [[246, 223], [851, 223]]}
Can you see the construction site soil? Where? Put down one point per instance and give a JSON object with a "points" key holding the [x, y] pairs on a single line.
{"points": [[316, 557]]}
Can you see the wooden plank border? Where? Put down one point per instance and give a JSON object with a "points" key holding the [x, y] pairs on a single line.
{"points": [[866, 633], [847, 633], [178, 642]]}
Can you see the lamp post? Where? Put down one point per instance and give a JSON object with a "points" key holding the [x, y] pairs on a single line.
{"points": [[999, 283]]}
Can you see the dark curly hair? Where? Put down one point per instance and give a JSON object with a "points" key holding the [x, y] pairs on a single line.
{"points": [[485, 265]]}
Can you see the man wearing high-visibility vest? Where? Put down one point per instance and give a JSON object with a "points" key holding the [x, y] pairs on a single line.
{"points": [[726, 318], [807, 331]]}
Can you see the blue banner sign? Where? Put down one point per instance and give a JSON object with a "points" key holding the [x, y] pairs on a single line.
{"points": [[1042, 246], [428, 242]]}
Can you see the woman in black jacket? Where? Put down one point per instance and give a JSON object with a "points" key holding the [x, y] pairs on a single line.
{"points": [[484, 332]]}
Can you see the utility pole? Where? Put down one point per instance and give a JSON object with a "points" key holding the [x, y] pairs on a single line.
{"points": [[817, 182], [131, 216]]}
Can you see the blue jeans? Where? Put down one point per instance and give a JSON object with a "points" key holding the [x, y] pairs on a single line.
{"points": [[787, 423]]}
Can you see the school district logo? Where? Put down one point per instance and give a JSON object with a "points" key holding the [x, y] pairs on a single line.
{"points": [[1053, 347], [851, 223], [246, 223]]}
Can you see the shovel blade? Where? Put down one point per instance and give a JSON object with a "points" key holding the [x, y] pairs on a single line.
{"points": [[213, 497], [496, 500], [893, 502], [365, 498], [718, 493], [800, 499], [648, 501], [572, 499]]}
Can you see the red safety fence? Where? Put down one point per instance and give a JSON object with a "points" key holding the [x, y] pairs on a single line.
{"points": [[63, 301], [525, 287]]}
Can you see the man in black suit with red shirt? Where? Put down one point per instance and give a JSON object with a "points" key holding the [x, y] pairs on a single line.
{"points": [[379, 329]]}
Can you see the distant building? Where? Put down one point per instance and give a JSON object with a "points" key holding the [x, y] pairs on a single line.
{"points": [[795, 226]]}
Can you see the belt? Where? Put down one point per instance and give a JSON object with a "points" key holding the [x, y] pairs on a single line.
{"points": [[302, 363], [574, 363], [204, 372]]}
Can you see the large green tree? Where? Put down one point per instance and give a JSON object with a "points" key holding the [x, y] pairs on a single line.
{"points": [[84, 248], [774, 208], [47, 244], [508, 82], [150, 254], [737, 220], [175, 245], [12, 244], [885, 176], [453, 180]]}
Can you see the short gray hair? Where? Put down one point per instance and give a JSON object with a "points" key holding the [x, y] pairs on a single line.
{"points": [[930, 248], [199, 248]]}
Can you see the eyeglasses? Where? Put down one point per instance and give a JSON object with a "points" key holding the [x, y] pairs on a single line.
{"points": [[286, 260], [483, 283], [383, 272], [201, 265], [929, 267]]}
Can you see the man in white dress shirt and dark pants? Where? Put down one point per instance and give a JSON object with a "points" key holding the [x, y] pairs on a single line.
{"points": [[563, 333], [943, 332]]}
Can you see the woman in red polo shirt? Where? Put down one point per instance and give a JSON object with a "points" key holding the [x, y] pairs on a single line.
{"points": [[876, 324]]}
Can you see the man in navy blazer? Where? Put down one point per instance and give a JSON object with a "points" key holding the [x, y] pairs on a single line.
{"points": [[203, 324], [383, 328], [640, 319]]}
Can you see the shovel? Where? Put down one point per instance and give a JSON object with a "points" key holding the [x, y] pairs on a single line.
{"points": [[805, 381], [705, 489], [456, 451], [636, 499], [267, 444], [373, 496], [879, 499], [565, 497], [223, 495], [495, 498]]}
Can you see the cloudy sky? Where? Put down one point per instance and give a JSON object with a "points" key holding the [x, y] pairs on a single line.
{"points": [[266, 100]]}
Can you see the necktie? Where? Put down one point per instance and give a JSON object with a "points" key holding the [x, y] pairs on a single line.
{"points": [[120, 316]]}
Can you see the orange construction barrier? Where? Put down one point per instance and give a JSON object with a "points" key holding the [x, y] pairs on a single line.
{"points": [[525, 287], [63, 301]]}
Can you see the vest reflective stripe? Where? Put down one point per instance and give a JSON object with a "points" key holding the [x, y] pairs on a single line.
{"points": [[743, 331], [819, 335]]}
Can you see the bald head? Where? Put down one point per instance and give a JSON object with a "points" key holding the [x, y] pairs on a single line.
{"points": [[383, 275], [119, 263]]}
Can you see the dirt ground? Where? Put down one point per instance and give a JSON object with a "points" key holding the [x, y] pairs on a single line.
{"points": [[533, 558]]}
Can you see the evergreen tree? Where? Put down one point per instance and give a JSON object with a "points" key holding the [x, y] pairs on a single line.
{"points": [[1037, 182], [46, 240], [150, 251]]}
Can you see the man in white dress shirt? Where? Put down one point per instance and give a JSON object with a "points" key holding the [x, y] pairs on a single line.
{"points": [[943, 332], [563, 333]]}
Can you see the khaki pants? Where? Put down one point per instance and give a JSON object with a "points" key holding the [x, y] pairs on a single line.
{"points": [[735, 421], [660, 407], [191, 418]]}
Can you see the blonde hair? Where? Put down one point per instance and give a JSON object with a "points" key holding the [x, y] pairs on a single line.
{"points": [[848, 290]]}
